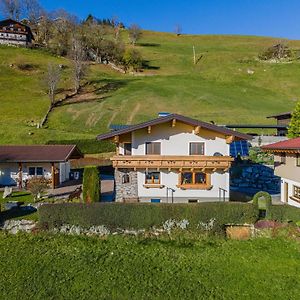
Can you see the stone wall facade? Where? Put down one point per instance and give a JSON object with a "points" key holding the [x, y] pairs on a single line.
{"points": [[126, 191]]}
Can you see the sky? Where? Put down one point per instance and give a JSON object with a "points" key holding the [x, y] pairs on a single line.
{"points": [[277, 18]]}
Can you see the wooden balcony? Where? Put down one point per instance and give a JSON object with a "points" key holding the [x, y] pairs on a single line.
{"points": [[202, 163]]}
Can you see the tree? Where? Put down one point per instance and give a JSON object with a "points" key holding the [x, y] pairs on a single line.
{"points": [[135, 33], [132, 59], [32, 10], [11, 9], [91, 184], [294, 126], [78, 56], [52, 79]]}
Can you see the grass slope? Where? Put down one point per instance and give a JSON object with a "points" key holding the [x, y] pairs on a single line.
{"points": [[63, 267], [219, 88]]}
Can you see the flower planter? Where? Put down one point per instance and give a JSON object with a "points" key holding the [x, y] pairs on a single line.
{"points": [[239, 231]]}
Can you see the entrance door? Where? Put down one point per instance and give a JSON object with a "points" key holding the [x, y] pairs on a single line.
{"points": [[286, 192]]}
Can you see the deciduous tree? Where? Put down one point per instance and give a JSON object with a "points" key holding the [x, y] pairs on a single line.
{"points": [[294, 126], [52, 79], [135, 33]]}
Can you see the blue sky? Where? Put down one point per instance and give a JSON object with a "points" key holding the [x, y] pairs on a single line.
{"points": [[278, 18]]}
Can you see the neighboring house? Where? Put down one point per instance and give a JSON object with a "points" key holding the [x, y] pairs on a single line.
{"points": [[15, 33], [283, 121], [287, 166], [172, 159], [20, 163]]}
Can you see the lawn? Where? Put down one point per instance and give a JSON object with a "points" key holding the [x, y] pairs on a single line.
{"points": [[45, 266], [218, 89]]}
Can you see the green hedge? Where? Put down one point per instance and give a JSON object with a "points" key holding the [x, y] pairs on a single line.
{"points": [[284, 213], [91, 184], [87, 146], [144, 215]]}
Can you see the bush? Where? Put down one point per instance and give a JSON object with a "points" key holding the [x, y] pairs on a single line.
{"points": [[37, 186], [91, 184], [263, 201], [87, 146], [145, 215], [284, 213]]}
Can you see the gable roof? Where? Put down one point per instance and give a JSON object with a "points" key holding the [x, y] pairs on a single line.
{"points": [[7, 22], [285, 114], [180, 118], [39, 153], [292, 145]]}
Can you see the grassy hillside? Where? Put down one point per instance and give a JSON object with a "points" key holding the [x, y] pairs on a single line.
{"points": [[219, 88]]}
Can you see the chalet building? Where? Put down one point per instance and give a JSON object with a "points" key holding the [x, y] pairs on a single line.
{"points": [[15, 33], [287, 166], [20, 163], [283, 120], [172, 159]]}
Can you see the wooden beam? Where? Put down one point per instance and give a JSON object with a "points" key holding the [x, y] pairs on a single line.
{"points": [[52, 176], [149, 129], [173, 122], [20, 176], [229, 139], [197, 129], [116, 139]]}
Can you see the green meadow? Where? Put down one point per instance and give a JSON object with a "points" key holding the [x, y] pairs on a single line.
{"points": [[219, 88]]}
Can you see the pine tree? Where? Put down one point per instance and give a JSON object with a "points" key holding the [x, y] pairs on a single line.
{"points": [[294, 126]]}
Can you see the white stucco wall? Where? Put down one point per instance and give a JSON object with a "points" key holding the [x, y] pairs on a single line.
{"points": [[175, 140], [8, 171], [170, 180], [291, 184]]}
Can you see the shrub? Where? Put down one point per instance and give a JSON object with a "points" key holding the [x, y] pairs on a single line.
{"points": [[145, 215], [91, 184], [37, 186], [87, 146], [284, 213], [263, 201]]}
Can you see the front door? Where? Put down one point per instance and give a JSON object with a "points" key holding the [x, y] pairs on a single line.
{"points": [[286, 192]]}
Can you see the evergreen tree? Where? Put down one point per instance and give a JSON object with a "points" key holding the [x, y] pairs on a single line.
{"points": [[294, 126]]}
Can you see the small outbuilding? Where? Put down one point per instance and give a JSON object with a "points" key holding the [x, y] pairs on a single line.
{"points": [[20, 163]]}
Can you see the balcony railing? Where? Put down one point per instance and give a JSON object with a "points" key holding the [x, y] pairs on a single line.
{"points": [[172, 162]]}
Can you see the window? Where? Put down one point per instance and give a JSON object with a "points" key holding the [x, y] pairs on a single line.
{"points": [[152, 178], [153, 148], [196, 148], [296, 193], [193, 178], [283, 158], [31, 171], [35, 171], [127, 148], [298, 160], [125, 178]]}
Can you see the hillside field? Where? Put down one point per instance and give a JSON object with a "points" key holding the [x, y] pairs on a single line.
{"points": [[218, 89]]}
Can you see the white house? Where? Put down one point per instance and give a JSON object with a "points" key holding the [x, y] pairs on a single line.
{"points": [[287, 166], [20, 163], [172, 159], [15, 33]]}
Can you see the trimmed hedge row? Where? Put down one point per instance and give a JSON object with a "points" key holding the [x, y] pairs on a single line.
{"points": [[87, 146], [284, 213], [144, 215]]}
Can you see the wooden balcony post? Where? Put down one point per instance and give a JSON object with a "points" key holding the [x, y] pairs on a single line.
{"points": [[20, 180], [52, 176]]}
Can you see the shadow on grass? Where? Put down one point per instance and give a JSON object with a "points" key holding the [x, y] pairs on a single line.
{"points": [[148, 44], [15, 213], [146, 66]]}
